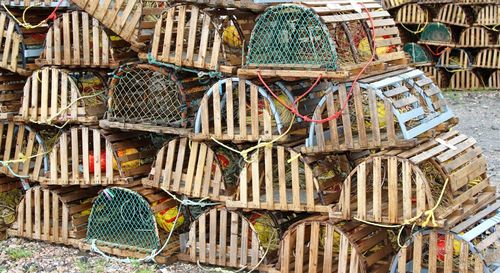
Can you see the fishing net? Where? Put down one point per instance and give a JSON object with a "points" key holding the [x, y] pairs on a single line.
{"points": [[291, 35], [436, 32], [123, 218], [417, 53]]}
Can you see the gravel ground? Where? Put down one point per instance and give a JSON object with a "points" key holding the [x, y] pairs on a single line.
{"points": [[479, 117]]}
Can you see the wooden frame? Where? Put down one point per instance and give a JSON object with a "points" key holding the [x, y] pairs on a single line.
{"points": [[106, 157], [132, 20], [391, 4], [37, 3], [77, 40], [238, 4], [494, 80], [488, 16], [54, 214], [403, 97], [11, 92], [295, 185], [219, 115], [419, 174], [465, 80], [477, 37], [448, 59], [488, 58], [427, 37], [226, 238], [192, 169], [475, 2], [437, 75], [54, 96], [195, 43], [9, 183], [412, 14], [454, 15], [19, 139], [317, 244]]}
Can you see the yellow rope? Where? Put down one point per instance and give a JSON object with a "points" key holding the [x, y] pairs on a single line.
{"points": [[24, 24], [419, 30]]}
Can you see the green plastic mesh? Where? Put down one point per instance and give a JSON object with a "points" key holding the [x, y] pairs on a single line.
{"points": [[122, 218], [417, 53], [291, 36], [436, 32]]}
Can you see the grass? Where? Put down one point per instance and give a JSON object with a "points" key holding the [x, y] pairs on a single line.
{"points": [[149, 269], [18, 253], [82, 266]]}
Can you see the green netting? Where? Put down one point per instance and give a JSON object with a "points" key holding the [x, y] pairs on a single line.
{"points": [[417, 53], [122, 218], [436, 32], [291, 36]]}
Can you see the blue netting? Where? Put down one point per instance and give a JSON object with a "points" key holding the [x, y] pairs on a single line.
{"points": [[436, 32], [417, 53]]}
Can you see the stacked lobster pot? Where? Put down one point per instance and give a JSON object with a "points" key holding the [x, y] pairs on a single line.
{"points": [[279, 137], [454, 41]]}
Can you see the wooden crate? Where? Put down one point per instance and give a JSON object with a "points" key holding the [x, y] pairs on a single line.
{"points": [[476, 2], [159, 202], [477, 37], [333, 24], [238, 4], [494, 80], [439, 76], [388, 110], [9, 183], [37, 3], [465, 80], [391, 4], [488, 58], [21, 140], [77, 40], [488, 16], [398, 185], [454, 59], [318, 244], [134, 20], [195, 169], [296, 184], [221, 116], [412, 14], [54, 214], [228, 238], [193, 42], [438, 34], [11, 91], [456, 15], [88, 156], [58, 96]]}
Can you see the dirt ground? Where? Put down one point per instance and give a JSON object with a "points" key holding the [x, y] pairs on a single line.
{"points": [[479, 117]]}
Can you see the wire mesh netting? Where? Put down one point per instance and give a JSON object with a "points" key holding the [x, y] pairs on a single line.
{"points": [[143, 95], [417, 53], [291, 35], [123, 218], [436, 32]]}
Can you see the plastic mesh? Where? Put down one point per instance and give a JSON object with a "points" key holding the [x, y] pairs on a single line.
{"points": [[123, 218], [143, 95], [417, 53], [291, 35], [436, 32]]}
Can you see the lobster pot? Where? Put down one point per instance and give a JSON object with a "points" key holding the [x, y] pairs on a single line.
{"points": [[494, 80], [391, 4], [438, 251], [237, 110], [134, 20], [419, 55], [383, 111], [242, 5], [133, 222], [488, 58], [476, 2], [437, 75], [318, 244], [396, 186], [151, 98], [342, 39], [56, 214], [54, 95], [232, 239], [196, 169], [412, 14], [89, 156], [296, 184], [477, 37], [188, 36], [37, 3], [453, 14], [455, 59], [76, 39], [465, 80], [19, 140], [11, 92], [438, 34], [488, 16]]}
